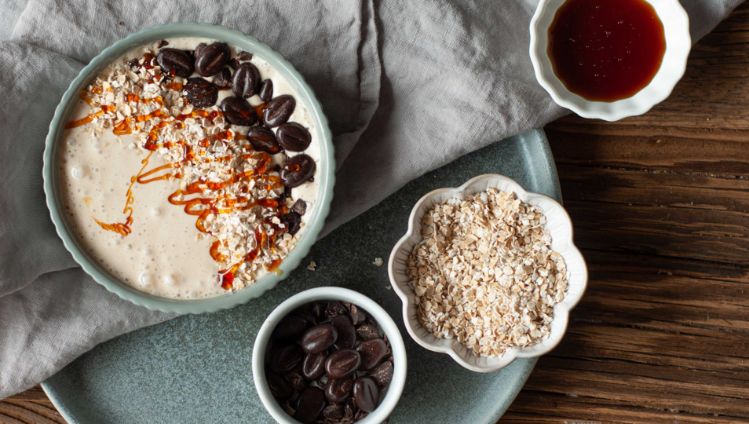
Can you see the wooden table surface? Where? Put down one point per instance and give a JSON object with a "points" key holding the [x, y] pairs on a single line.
{"points": [[661, 211]]}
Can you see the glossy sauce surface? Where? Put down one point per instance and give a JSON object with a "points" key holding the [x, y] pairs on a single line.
{"points": [[606, 50]]}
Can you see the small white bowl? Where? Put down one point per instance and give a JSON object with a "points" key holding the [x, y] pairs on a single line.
{"points": [[678, 43], [560, 227], [394, 390]]}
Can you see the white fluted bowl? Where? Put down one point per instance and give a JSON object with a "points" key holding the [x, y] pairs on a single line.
{"points": [[560, 227], [678, 44]]}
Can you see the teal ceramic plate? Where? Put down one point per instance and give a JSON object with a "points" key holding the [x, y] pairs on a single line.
{"points": [[324, 175], [197, 368]]}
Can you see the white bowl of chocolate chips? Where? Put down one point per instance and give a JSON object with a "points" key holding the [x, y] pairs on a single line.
{"points": [[329, 354]]}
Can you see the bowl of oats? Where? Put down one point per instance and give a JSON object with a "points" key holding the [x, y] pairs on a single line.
{"points": [[188, 168], [487, 272]]}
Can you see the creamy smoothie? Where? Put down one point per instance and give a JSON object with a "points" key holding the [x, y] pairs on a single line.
{"points": [[187, 169]]}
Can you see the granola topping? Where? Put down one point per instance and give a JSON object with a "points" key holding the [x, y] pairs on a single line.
{"points": [[485, 273]]}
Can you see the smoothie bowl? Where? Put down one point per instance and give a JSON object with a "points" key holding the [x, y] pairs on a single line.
{"points": [[188, 168]]}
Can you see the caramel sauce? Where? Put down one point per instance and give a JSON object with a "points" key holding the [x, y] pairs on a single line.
{"points": [[176, 86], [606, 50], [124, 228], [199, 198], [215, 254], [148, 60], [83, 96], [83, 121], [199, 114], [274, 265], [147, 177], [123, 127], [227, 278]]}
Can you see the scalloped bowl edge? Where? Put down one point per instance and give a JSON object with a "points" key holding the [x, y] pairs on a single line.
{"points": [[560, 227], [678, 44]]}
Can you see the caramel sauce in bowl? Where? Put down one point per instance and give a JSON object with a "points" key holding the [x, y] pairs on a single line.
{"points": [[157, 177], [609, 59]]}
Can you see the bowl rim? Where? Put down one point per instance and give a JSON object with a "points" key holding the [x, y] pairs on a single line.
{"points": [[383, 319], [575, 288], [673, 65], [325, 169]]}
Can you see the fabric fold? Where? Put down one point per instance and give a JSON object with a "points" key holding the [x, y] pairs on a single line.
{"points": [[42, 325], [29, 246]]}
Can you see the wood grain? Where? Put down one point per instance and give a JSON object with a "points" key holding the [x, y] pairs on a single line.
{"points": [[661, 210], [31, 406]]}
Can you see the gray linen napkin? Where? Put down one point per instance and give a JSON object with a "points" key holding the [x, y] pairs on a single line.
{"points": [[407, 85]]}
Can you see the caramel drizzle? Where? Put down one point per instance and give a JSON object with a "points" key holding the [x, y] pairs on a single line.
{"points": [[194, 203], [121, 127], [192, 198], [124, 228]]}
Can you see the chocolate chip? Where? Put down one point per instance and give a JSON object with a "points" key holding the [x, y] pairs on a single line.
{"points": [[266, 90], [290, 327], [243, 55], [346, 332], [246, 80], [300, 207], [311, 404], [366, 394], [368, 331], [348, 410], [279, 388], [372, 352], [297, 170], [286, 359], [210, 59], [175, 62], [357, 315], [333, 309], [319, 311], [382, 373], [292, 221], [342, 363], [278, 110], [309, 312], [223, 79], [293, 137], [338, 390], [161, 44], [333, 412], [200, 93], [263, 139], [319, 338], [313, 365], [296, 381], [238, 111]]}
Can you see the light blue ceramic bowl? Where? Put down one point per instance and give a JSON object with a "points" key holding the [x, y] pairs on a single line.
{"points": [[324, 176]]}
